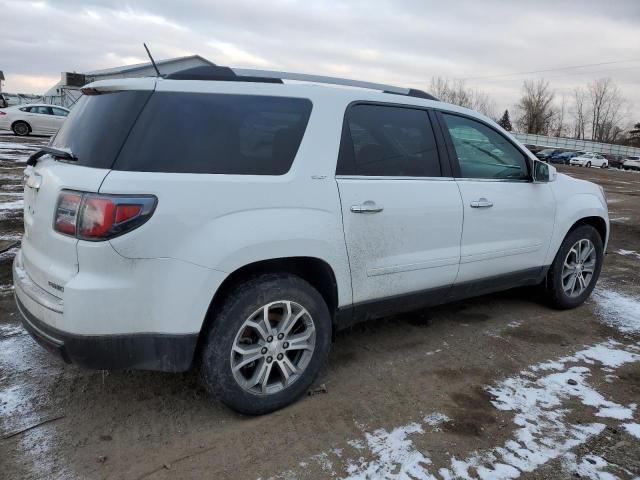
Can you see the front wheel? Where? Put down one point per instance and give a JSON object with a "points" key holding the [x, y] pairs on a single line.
{"points": [[588, 165], [267, 343], [576, 268]]}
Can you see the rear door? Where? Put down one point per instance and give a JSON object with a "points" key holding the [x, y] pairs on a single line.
{"points": [[508, 219], [401, 209], [93, 133], [41, 120]]}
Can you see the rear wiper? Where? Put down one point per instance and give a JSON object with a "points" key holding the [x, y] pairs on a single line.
{"points": [[54, 152]]}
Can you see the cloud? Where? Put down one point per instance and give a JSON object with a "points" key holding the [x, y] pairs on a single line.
{"points": [[403, 42]]}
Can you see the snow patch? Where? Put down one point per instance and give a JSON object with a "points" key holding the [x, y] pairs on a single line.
{"points": [[628, 253], [435, 420], [392, 451], [537, 399], [590, 466], [633, 429], [618, 310]]}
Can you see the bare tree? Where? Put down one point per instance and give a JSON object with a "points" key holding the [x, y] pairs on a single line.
{"points": [[535, 107], [558, 121], [457, 93], [606, 110], [580, 114]]}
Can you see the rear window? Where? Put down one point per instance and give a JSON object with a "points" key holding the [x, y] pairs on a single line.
{"points": [[97, 126], [216, 133]]}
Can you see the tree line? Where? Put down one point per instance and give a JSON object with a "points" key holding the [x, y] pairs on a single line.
{"points": [[596, 111]]}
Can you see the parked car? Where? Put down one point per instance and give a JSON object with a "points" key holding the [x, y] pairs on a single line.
{"points": [[590, 160], [615, 161], [237, 225], [547, 153], [36, 118], [532, 148], [564, 157], [631, 163]]}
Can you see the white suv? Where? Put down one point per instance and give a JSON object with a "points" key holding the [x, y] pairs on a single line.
{"points": [[234, 220]]}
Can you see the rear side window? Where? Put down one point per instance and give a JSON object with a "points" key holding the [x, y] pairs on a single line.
{"points": [[391, 141], [216, 133], [97, 126]]}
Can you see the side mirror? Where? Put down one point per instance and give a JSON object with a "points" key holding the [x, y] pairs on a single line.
{"points": [[543, 172]]}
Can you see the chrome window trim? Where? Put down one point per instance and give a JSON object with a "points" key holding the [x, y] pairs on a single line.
{"points": [[498, 180], [391, 177]]}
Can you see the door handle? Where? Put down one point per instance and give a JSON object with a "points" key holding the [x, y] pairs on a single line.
{"points": [[367, 207], [482, 203]]}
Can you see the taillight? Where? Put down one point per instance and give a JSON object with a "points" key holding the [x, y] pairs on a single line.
{"points": [[67, 213], [95, 217], [2, 113]]}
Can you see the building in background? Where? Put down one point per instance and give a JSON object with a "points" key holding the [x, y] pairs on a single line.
{"points": [[67, 91]]}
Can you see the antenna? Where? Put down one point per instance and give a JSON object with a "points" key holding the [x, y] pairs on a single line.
{"points": [[153, 62]]}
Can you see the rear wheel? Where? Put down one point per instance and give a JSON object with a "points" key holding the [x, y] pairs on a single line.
{"points": [[267, 343], [21, 128], [588, 164], [576, 268]]}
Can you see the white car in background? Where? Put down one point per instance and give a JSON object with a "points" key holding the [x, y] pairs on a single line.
{"points": [[36, 118], [631, 163], [590, 160]]}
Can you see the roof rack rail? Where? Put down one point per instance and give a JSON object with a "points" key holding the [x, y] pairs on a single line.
{"points": [[219, 73], [303, 77]]}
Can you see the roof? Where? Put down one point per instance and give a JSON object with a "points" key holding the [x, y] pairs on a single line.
{"points": [[140, 66]]}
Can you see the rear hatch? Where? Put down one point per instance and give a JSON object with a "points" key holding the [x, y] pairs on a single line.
{"points": [[93, 134]]}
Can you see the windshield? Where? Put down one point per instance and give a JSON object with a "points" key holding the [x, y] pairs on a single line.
{"points": [[97, 126]]}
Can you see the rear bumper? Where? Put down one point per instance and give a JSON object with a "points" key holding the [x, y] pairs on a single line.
{"points": [[145, 351]]}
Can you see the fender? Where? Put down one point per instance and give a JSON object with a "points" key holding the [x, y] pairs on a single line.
{"points": [[571, 209], [242, 238]]}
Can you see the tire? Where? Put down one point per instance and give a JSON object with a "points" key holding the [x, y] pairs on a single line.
{"points": [[229, 328], [588, 165], [21, 128], [556, 288]]}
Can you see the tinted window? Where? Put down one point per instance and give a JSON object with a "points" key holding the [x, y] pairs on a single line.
{"points": [[484, 153], [98, 125], [216, 133], [388, 141], [41, 110], [59, 112]]}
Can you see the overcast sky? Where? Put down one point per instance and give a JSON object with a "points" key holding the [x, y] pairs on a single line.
{"points": [[398, 42]]}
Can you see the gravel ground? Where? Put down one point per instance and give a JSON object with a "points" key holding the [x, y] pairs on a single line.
{"points": [[499, 386]]}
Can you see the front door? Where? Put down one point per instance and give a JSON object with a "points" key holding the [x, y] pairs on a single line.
{"points": [[508, 219], [402, 217]]}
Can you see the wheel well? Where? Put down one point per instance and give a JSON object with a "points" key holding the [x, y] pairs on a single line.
{"points": [[596, 222], [315, 271]]}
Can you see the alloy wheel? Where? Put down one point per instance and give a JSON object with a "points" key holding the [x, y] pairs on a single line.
{"points": [[579, 267], [273, 347]]}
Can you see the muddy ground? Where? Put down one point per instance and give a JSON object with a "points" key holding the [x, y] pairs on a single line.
{"points": [[499, 386]]}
